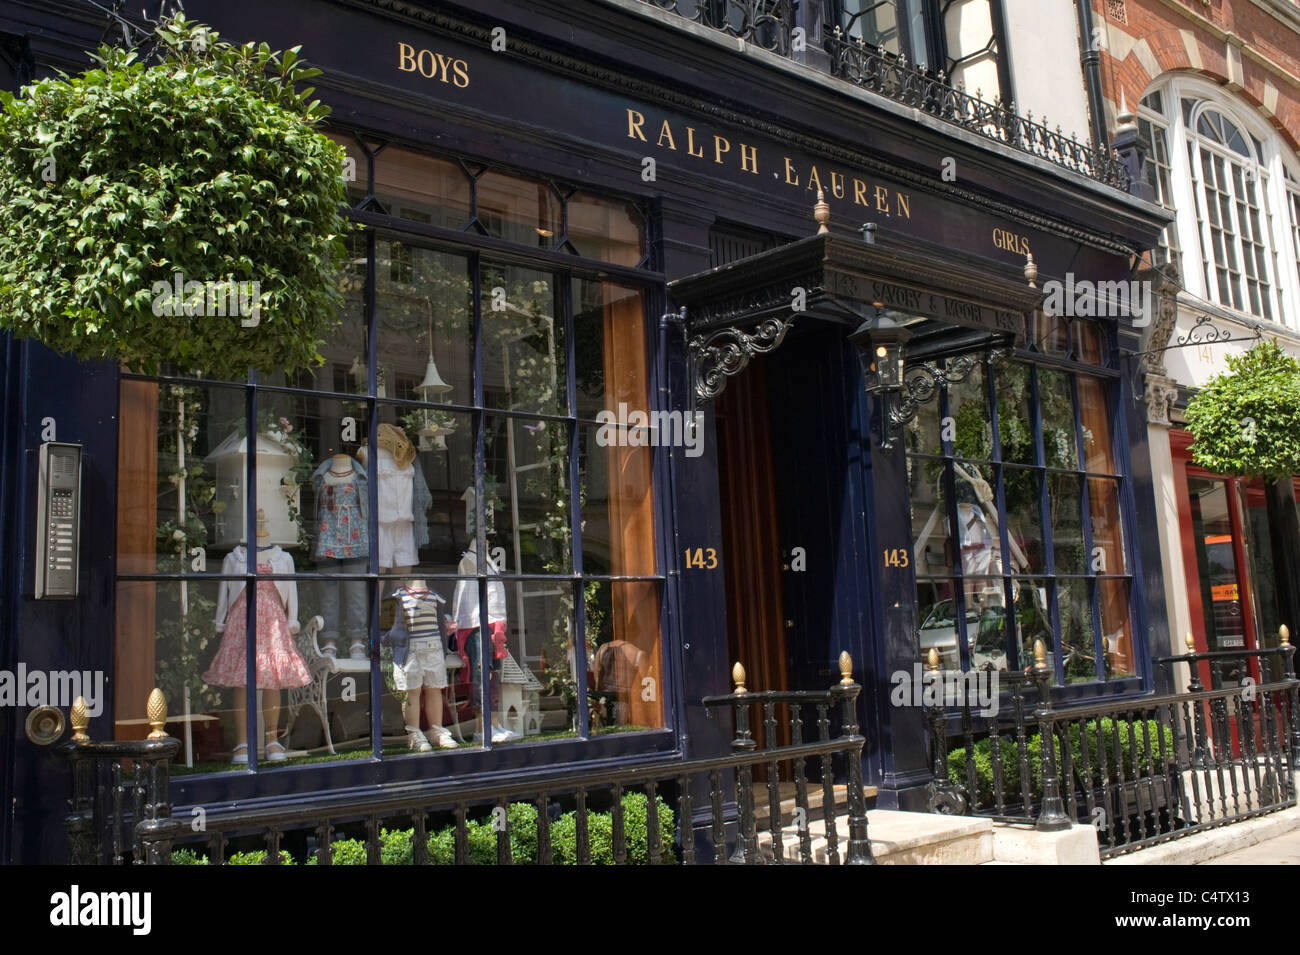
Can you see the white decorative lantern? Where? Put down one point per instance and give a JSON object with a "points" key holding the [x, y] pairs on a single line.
{"points": [[229, 463]]}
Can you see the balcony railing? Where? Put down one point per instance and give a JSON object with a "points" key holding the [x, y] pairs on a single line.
{"points": [[770, 24]]}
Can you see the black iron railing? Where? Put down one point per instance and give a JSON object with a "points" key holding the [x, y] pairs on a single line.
{"points": [[1141, 772], [770, 24], [660, 812]]}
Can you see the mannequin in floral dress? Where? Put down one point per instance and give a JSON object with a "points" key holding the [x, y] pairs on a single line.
{"points": [[279, 664]]}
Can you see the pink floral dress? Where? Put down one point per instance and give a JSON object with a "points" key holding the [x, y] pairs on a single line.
{"points": [[279, 664]]}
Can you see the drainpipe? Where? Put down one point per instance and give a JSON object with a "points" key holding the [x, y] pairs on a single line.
{"points": [[1091, 61]]}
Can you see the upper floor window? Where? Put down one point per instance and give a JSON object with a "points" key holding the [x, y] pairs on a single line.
{"points": [[1225, 174]]}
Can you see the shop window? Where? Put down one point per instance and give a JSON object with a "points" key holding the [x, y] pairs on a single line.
{"points": [[1017, 523], [526, 211], [474, 524], [605, 229]]}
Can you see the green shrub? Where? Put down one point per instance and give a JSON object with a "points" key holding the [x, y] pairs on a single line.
{"points": [[1108, 726], [258, 857], [188, 857]]}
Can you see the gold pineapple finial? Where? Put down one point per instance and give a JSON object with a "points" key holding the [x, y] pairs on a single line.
{"points": [[1190, 641], [846, 668], [1031, 270], [822, 213], [1040, 655], [932, 659], [1285, 633], [156, 710], [80, 719], [738, 677]]}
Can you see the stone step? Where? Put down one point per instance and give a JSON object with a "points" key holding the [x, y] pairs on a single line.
{"points": [[899, 838]]}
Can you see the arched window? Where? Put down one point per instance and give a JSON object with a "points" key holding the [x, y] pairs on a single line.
{"points": [[1226, 174]]}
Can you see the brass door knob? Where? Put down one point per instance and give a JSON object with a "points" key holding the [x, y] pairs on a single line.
{"points": [[45, 725]]}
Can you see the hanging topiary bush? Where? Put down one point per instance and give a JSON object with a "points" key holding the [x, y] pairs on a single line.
{"points": [[184, 213], [1247, 421]]}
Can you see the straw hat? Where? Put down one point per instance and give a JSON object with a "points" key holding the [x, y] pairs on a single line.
{"points": [[394, 440]]}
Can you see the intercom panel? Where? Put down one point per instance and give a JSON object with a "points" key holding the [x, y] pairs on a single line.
{"points": [[58, 520]]}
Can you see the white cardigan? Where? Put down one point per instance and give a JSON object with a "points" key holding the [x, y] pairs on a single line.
{"points": [[236, 563]]}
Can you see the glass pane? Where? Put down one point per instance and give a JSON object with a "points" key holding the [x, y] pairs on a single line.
{"points": [[1094, 414], [424, 312], [1078, 644], [1107, 533], [422, 188], [605, 229], [626, 673], [932, 540], [1065, 507], [617, 502], [936, 608], [968, 405], [356, 171], [1057, 405], [521, 210], [1033, 621], [1089, 342], [534, 668], [977, 519], [1015, 414], [523, 343], [1050, 334], [610, 362], [1024, 520], [1216, 558], [527, 471], [1116, 628], [345, 349]]}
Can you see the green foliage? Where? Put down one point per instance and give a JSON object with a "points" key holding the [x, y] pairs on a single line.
{"points": [[257, 857], [188, 857], [1247, 421], [204, 164]]}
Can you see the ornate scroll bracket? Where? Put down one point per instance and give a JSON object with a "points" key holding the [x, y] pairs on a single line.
{"points": [[725, 353], [920, 384], [1156, 393]]}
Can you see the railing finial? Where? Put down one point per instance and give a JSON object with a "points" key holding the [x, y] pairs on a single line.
{"points": [[1040, 655], [932, 659], [1190, 641], [738, 677], [1285, 633], [79, 717], [822, 213], [156, 710], [846, 668]]}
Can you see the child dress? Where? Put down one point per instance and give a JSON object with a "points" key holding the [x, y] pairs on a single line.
{"points": [[279, 664]]}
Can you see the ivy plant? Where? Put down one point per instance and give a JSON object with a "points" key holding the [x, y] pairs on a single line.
{"points": [[133, 195], [1247, 421]]}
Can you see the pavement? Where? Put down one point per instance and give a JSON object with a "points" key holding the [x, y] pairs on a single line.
{"points": [[1280, 850]]}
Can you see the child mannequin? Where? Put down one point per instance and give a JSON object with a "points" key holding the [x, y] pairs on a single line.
{"points": [[419, 666]]}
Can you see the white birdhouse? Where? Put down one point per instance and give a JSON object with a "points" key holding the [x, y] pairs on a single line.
{"points": [[228, 463]]}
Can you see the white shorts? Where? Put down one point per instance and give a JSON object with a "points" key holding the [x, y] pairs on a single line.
{"points": [[397, 545], [425, 666]]}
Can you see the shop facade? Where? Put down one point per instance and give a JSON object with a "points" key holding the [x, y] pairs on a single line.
{"points": [[567, 229]]}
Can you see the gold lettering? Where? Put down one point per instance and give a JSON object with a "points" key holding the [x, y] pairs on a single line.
{"points": [[719, 148], [788, 171], [882, 197], [837, 185], [859, 191], [405, 55], [903, 205], [444, 62], [690, 144], [748, 161], [813, 177], [433, 64], [666, 131], [1024, 245], [461, 70], [634, 123]]}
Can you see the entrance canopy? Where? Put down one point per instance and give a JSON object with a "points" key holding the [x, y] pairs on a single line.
{"points": [[951, 303]]}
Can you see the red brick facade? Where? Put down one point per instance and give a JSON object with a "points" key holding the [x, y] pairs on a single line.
{"points": [[1236, 43]]}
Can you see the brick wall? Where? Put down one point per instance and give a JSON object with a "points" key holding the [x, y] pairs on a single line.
{"points": [[1235, 43]]}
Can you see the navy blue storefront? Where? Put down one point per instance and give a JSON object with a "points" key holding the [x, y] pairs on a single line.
{"points": [[571, 166]]}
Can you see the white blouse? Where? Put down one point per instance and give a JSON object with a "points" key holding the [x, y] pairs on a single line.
{"points": [[464, 604], [236, 563]]}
